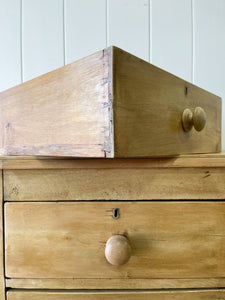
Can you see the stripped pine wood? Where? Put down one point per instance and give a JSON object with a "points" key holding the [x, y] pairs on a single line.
{"points": [[67, 240], [142, 295], [110, 283], [67, 109], [148, 106], [109, 104], [215, 160], [114, 184]]}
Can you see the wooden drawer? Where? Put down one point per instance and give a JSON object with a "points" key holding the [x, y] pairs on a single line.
{"points": [[133, 181], [67, 239], [110, 104], [169, 295]]}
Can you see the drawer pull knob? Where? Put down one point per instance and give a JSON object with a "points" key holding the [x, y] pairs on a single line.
{"points": [[118, 250], [196, 119], [199, 118]]}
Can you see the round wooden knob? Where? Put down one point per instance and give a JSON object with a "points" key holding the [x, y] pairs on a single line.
{"points": [[187, 119], [199, 118], [196, 119], [117, 250]]}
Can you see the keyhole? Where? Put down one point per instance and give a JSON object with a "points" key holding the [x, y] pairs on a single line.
{"points": [[116, 213]]}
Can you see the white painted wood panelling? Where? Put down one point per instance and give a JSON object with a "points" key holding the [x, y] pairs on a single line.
{"points": [[209, 48], [42, 36], [85, 28], [10, 47], [128, 26], [171, 36]]}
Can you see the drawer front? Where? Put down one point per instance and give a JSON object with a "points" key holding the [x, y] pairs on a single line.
{"points": [[173, 295], [67, 240], [148, 105], [114, 184]]}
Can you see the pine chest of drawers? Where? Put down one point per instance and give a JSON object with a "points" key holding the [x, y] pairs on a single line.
{"points": [[111, 223], [163, 218]]}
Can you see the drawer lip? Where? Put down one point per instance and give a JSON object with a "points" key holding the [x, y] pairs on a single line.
{"points": [[160, 250]]}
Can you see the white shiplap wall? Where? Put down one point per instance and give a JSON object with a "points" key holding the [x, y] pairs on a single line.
{"points": [[128, 26], [171, 36], [10, 44], [42, 37], [184, 37], [85, 27]]}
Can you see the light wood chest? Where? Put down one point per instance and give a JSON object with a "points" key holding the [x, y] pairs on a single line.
{"points": [[57, 215]]}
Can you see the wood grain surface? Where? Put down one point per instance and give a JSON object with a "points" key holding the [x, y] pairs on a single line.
{"points": [[110, 99], [115, 184], [148, 104], [210, 160], [164, 295], [67, 240], [112, 283], [62, 113]]}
